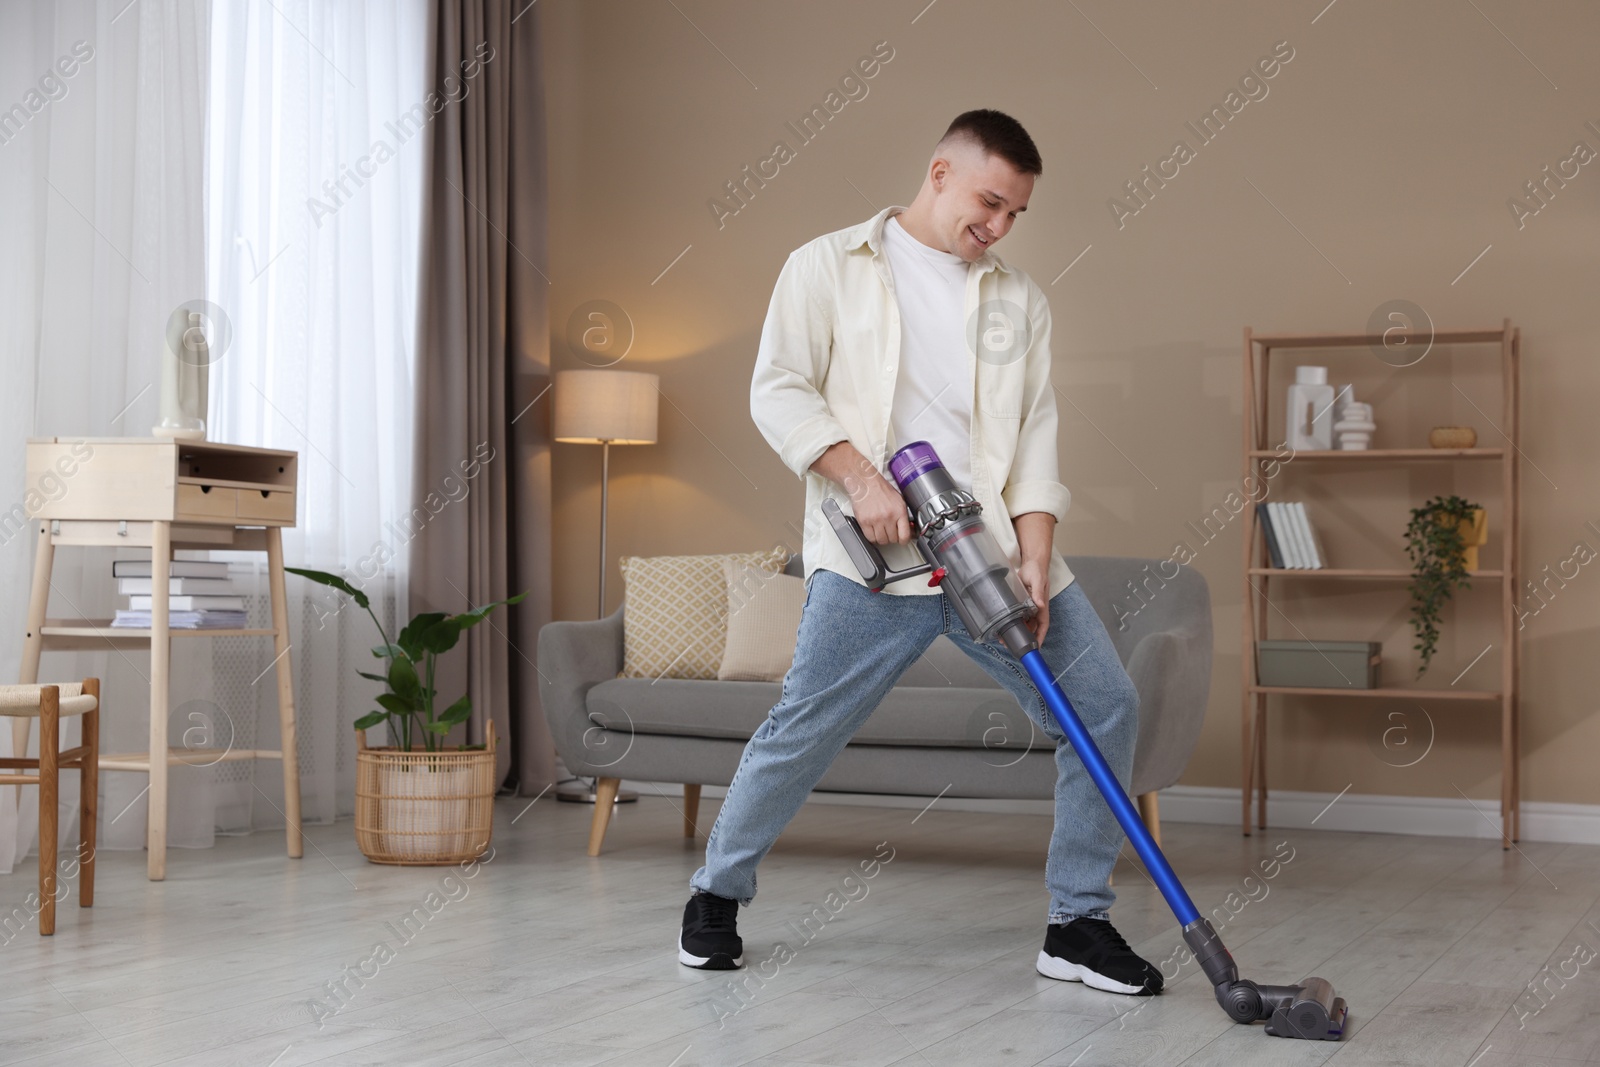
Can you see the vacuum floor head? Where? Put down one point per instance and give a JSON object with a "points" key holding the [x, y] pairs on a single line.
{"points": [[1313, 1013], [1309, 1010]]}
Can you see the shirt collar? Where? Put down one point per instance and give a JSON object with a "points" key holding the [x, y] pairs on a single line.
{"points": [[870, 234]]}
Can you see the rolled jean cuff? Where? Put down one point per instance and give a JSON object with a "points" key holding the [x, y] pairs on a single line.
{"points": [[1062, 918], [695, 890]]}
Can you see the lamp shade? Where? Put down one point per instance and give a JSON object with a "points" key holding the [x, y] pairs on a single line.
{"points": [[595, 406]]}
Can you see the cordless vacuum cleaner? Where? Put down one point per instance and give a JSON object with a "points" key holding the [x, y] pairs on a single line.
{"points": [[963, 558]]}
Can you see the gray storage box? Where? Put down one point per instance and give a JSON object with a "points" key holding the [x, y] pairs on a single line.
{"points": [[1319, 664]]}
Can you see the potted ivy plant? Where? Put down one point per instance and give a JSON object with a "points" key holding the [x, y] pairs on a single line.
{"points": [[1441, 536], [418, 802]]}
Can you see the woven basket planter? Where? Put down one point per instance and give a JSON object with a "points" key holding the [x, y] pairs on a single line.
{"points": [[424, 809]]}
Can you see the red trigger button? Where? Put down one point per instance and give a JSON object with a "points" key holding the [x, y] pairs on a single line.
{"points": [[937, 576]]}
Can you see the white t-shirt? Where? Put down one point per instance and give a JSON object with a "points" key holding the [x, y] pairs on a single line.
{"points": [[933, 388]]}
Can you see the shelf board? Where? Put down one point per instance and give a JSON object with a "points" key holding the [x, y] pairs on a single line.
{"points": [[1363, 340], [197, 757], [68, 634], [1391, 692], [1360, 573], [1380, 453], [226, 483]]}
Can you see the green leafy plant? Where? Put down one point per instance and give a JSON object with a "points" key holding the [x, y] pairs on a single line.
{"points": [[409, 706], [1437, 549]]}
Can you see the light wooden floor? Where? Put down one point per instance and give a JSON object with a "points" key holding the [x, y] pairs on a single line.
{"points": [[547, 957]]}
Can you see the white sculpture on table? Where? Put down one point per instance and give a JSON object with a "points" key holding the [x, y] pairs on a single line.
{"points": [[185, 378]]}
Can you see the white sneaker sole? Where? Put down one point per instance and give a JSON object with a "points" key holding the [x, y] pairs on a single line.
{"points": [[689, 959], [1062, 971]]}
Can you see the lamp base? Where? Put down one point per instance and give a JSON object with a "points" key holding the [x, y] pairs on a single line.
{"points": [[582, 791]]}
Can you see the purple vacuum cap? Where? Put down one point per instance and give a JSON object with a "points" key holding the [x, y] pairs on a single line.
{"points": [[912, 462]]}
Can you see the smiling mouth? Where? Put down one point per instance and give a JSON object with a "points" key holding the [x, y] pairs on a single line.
{"points": [[982, 242]]}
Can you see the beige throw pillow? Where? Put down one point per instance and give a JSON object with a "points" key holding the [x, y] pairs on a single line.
{"points": [[675, 612], [763, 620]]}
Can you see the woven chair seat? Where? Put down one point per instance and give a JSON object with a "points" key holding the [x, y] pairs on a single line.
{"points": [[22, 701]]}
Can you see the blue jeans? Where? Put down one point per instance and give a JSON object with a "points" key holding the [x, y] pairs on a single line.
{"points": [[852, 648]]}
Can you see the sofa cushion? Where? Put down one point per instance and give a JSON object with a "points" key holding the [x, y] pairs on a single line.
{"points": [[763, 620], [911, 716], [675, 611]]}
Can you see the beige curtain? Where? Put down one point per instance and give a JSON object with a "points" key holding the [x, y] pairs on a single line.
{"points": [[482, 438]]}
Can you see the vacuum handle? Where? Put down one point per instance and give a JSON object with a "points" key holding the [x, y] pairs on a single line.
{"points": [[863, 553]]}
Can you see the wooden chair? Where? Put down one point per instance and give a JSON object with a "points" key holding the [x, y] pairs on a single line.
{"points": [[48, 703]]}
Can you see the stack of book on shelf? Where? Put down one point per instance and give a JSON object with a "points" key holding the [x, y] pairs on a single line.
{"points": [[1291, 541], [201, 596]]}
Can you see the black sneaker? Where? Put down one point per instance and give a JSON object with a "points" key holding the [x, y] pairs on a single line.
{"points": [[1092, 952], [710, 938]]}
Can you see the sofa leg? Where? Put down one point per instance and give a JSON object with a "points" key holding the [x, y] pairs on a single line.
{"points": [[691, 810], [605, 798], [1150, 812]]}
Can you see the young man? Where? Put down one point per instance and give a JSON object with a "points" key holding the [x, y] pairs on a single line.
{"points": [[907, 327]]}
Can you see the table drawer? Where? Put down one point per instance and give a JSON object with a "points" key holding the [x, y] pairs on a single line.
{"points": [[266, 505], [207, 501]]}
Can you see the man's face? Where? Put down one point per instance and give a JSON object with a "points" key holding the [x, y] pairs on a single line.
{"points": [[978, 198]]}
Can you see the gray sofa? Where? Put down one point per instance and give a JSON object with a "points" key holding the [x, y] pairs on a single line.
{"points": [[946, 726]]}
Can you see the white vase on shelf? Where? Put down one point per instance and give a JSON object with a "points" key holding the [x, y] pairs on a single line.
{"points": [[1310, 414]]}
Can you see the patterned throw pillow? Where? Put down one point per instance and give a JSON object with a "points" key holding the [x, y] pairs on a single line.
{"points": [[675, 612], [763, 623]]}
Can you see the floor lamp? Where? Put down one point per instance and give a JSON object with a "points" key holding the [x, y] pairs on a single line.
{"points": [[605, 408]]}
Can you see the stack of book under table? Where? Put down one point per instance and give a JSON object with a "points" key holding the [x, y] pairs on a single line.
{"points": [[201, 595]]}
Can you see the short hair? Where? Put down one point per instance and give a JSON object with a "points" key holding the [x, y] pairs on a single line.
{"points": [[998, 134]]}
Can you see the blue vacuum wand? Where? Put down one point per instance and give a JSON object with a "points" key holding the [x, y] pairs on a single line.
{"points": [[963, 558]]}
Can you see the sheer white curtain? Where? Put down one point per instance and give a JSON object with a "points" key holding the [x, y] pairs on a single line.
{"points": [[314, 171], [101, 153], [178, 161]]}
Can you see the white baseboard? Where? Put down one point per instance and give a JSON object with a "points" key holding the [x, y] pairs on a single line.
{"points": [[1375, 813], [1360, 812]]}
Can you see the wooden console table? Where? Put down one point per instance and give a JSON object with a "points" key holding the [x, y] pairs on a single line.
{"points": [[164, 495]]}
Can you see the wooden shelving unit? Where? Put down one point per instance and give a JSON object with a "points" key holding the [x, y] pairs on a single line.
{"points": [[1258, 572]]}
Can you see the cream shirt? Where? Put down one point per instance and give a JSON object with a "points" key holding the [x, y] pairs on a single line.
{"points": [[826, 369]]}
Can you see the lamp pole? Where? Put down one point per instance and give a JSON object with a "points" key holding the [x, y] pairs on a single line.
{"points": [[605, 485], [580, 790], [603, 407]]}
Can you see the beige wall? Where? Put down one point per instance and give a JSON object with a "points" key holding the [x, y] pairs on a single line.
{"points": [[1390, 142]]}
